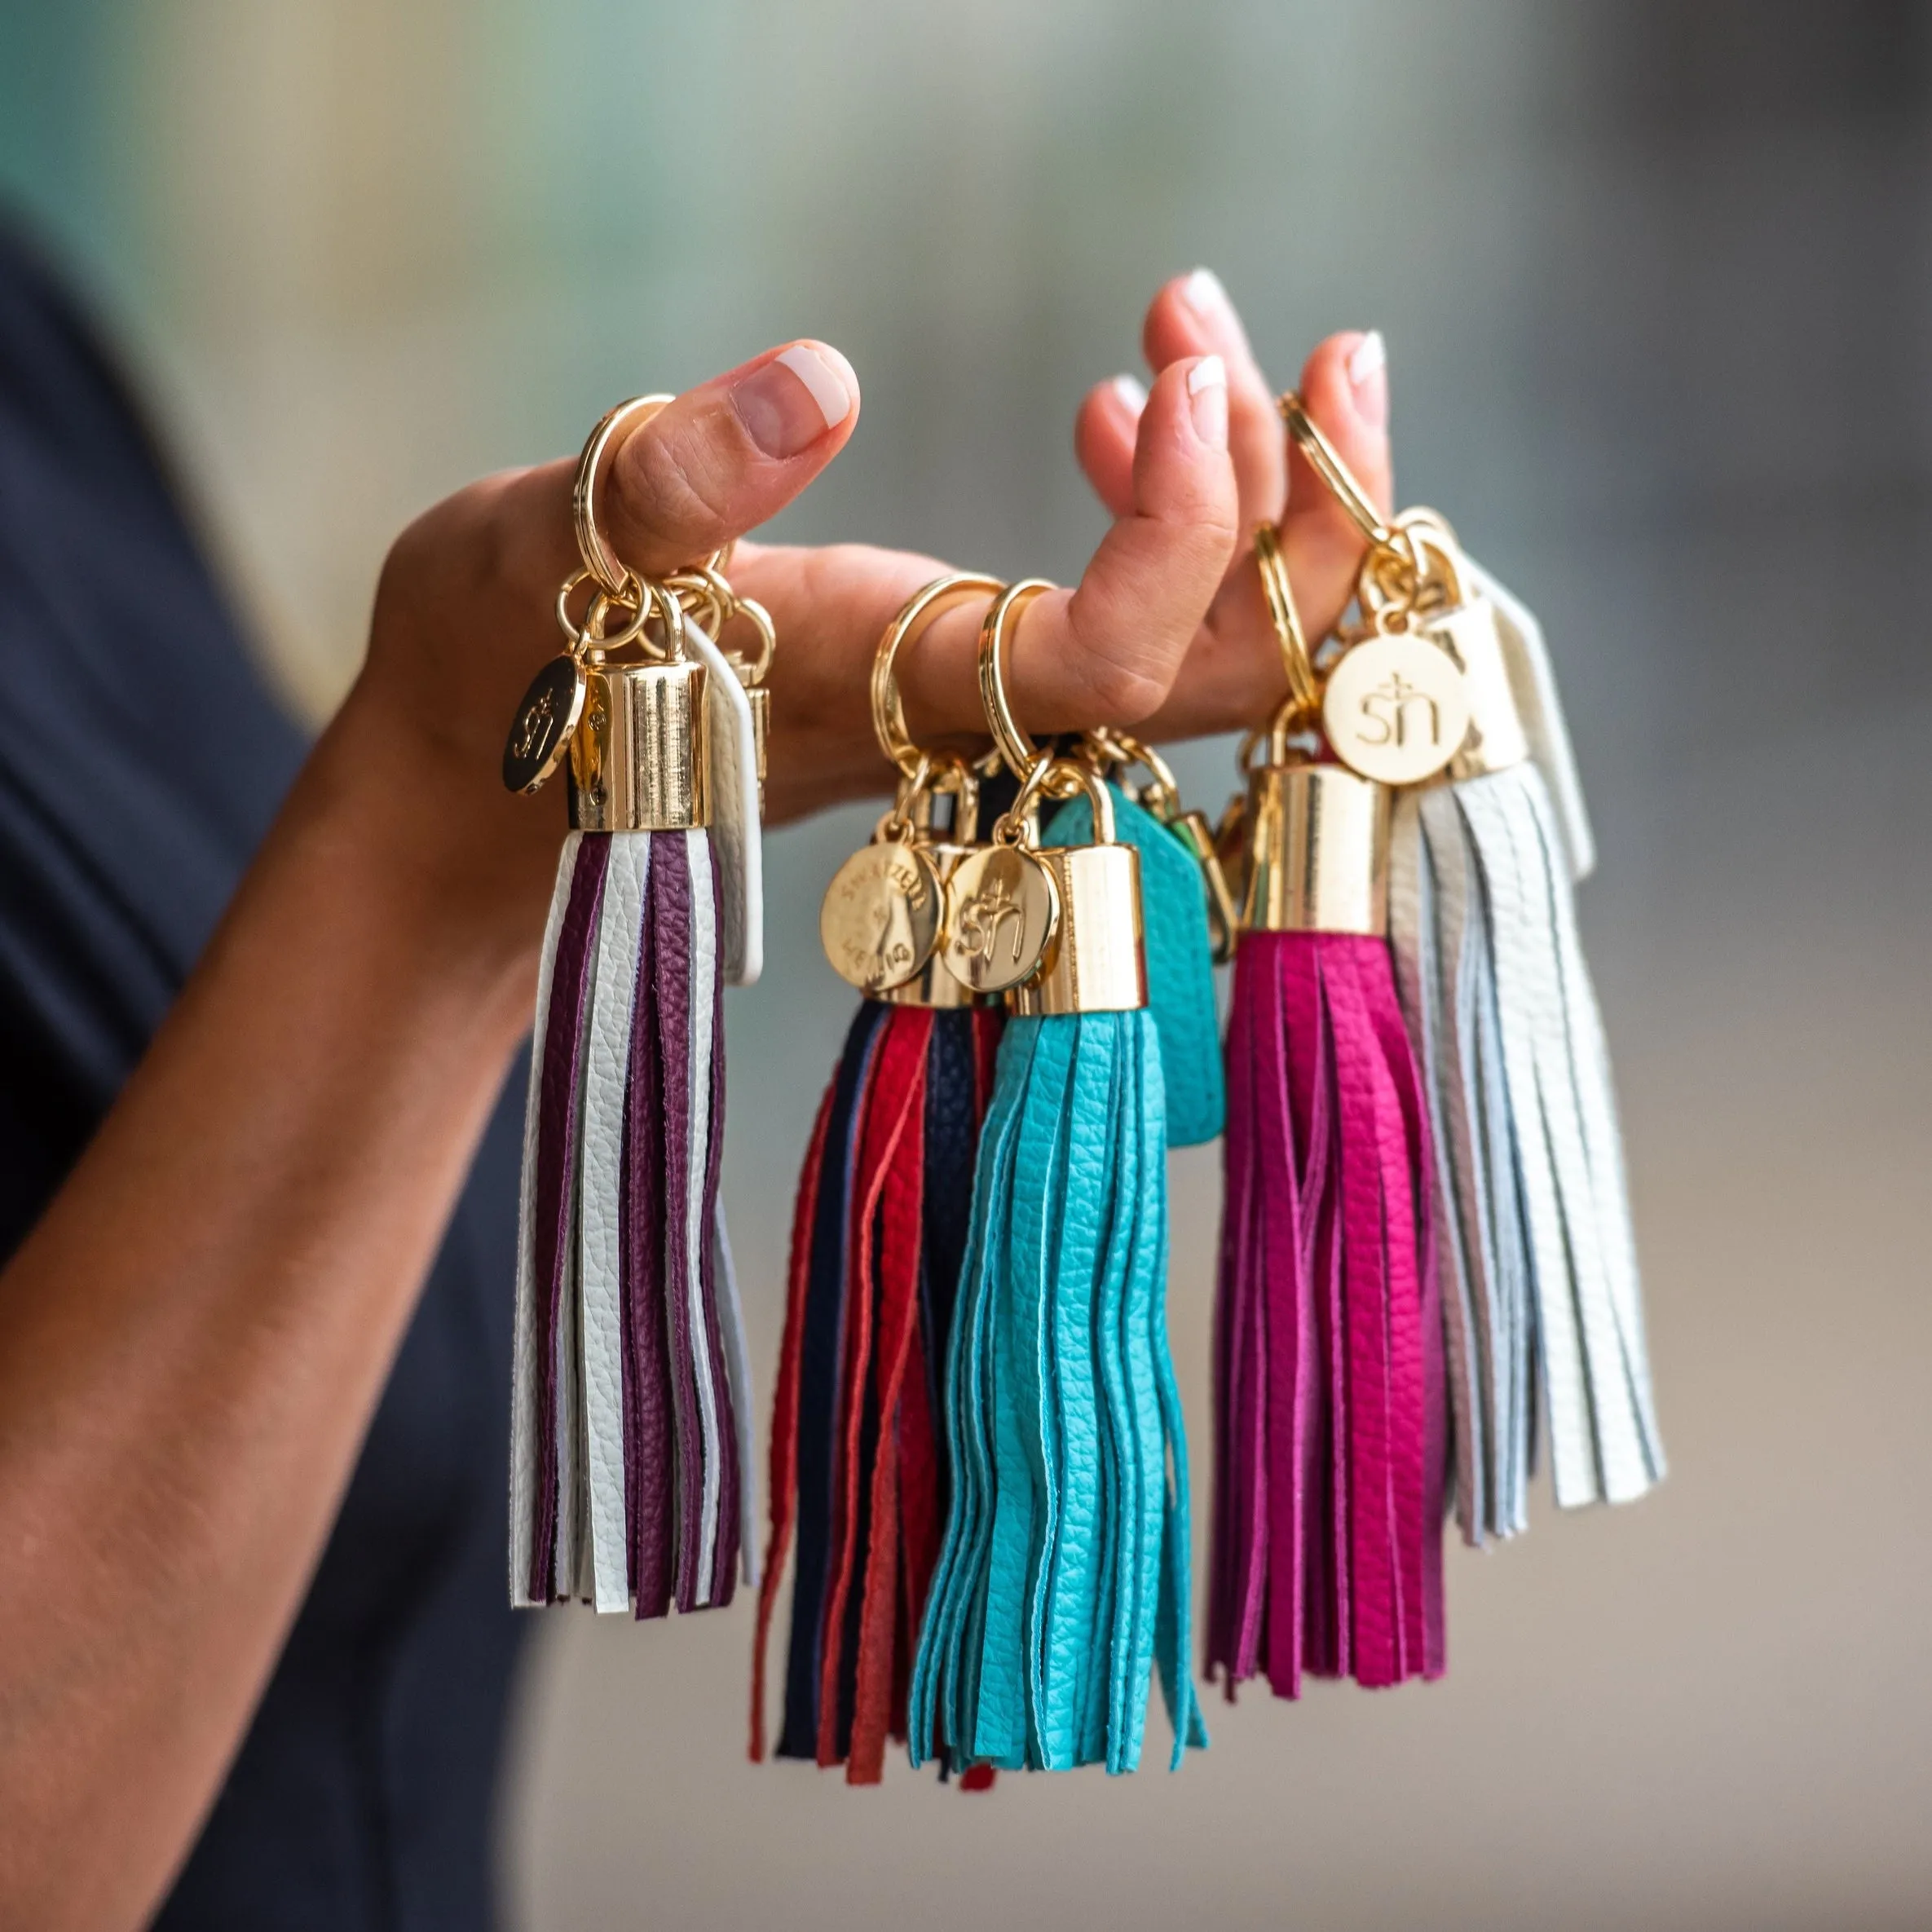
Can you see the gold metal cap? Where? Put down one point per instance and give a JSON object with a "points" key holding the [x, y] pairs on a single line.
{"points": [[638, 759], [1318, 849]]}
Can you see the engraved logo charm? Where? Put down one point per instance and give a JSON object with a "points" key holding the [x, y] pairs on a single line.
{"points": [[540, 732], [1396, 709], [878, 922], [1002, 910]]}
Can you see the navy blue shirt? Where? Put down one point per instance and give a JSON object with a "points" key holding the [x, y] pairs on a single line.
{"points": [[141, 761]]}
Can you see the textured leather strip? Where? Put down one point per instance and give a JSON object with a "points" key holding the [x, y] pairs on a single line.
{"points": [[782, 1480], [553, 1216], [650, 1399], [736, 840], [527, 1371], [820, 1349], [1532, 684], [900, 1214], [892, 1100], [672, 931], [698, 1205], [612, 1007]]}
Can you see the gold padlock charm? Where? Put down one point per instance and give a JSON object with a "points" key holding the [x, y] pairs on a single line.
{"points": [[1095, 957]]}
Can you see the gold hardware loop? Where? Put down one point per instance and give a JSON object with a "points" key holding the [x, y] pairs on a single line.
{"points": [[1394, 579], [1000, 622], [1162, 794], [589, 643], [1052, 776], [1327, 462], [888, 711], [706, 584], [600, 561], [1422, 584], [937, 773], [1304, 688]]}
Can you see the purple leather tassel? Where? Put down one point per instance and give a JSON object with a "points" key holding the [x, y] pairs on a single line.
{"points": [[625, 1485]]}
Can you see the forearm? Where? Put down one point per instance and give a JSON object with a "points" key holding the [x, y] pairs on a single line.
{"points": [[192, 1340]]}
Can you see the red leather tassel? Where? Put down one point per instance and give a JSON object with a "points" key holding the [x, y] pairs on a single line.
{"points": [[857, 1478], [1330, 1431]]}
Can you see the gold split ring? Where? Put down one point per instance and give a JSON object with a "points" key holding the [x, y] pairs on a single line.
{"points": [[1001, 620], [889, 709]]}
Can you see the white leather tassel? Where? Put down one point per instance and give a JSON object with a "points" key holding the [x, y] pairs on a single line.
{"points": [[1538, 1265]]}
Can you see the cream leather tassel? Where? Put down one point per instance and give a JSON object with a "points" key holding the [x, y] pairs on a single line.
{"points": [[1540, 1290]]}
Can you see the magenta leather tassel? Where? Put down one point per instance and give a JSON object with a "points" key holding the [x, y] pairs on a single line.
{"points": [[1329, 1436]]}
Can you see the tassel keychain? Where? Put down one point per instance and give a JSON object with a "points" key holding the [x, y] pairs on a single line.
{"points": [[1329, 1438], [857, 1480], [1538, 1259], [630, 1478], [1062, 1580]]}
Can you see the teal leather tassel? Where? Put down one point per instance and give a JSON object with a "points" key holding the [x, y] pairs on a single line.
{"points": [[1063, 1577], [1180, 961]]}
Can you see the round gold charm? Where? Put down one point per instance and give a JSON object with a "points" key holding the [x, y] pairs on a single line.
{"points": [[1002, 907], [1396, 709], [880, 920], [541, 733]]}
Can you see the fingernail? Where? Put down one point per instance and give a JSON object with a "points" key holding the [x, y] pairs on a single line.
{"points": [[1208, 389], [1368, 378], [788, 403], [1132, 391], [1203, 293]]}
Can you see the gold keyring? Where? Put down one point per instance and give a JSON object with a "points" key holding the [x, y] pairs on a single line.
{"points": [[1333, 471], [1304, 688], [889, 712], [670, 617], [1121, 748], [599, 559], [1052, 776], [1001, 620]]}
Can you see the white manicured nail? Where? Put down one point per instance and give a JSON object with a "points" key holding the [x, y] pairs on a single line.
{"points": [[1368, 377], [1208, 386], [832, 387], [1132, 391], [1203, 293]]}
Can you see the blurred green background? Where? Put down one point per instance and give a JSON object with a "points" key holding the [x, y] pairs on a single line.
{"points": [[1657, 283]]}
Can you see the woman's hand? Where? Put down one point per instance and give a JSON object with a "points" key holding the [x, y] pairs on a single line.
{"points": [[1232, 676], [463, 614]]}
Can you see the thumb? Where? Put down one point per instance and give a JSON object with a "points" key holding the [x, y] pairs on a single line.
{"points": [[722, 458]]}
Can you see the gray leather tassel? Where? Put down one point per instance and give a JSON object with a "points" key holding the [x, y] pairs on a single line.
{"points": [[1541, 1293]]}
